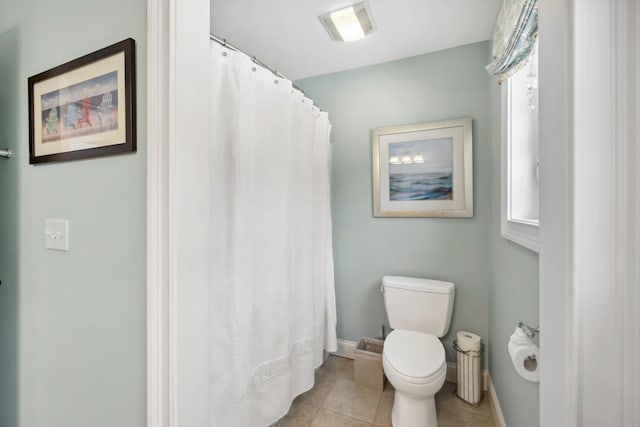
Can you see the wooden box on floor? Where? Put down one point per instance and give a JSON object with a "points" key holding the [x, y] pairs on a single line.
{"points": [[368, 370]]}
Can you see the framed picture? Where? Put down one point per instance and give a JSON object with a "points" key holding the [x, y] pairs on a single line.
{"points": [[84, 108], [423, 170]]}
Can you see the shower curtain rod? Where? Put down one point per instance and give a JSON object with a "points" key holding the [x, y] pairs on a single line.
{"points": [[255, 60]]}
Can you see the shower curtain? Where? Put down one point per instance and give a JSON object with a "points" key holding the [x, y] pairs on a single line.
{"points": [[272, 297]]}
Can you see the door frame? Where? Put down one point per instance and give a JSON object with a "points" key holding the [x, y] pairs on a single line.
{"points": [[177, 128], [586, 251], [589, 307], [159, 403]]}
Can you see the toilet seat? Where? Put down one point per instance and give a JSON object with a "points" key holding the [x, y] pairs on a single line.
{"points": [[414, 357]]}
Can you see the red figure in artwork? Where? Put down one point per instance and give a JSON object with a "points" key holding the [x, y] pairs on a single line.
{"points": [[84, 113]]}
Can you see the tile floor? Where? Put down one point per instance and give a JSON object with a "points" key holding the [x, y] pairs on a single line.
{"points": [[336, 401]]}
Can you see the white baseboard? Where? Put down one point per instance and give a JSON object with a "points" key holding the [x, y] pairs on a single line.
{"points": [[487, 386], [345, 349], [495, 405]]}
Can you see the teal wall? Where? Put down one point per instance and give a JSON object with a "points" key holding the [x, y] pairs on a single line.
{"points": [[513, 298], [496, 280], [8, 228], [73, 325], [445, 85]]}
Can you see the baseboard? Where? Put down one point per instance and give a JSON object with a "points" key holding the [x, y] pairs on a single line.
{"points": [[487, 386], [345, 349], [495, 405]]}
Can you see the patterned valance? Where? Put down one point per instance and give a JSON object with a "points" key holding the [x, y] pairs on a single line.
{"points": [[514, 37]]}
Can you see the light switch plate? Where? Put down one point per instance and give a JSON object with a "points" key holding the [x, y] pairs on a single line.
{"points": [[56, 234]]}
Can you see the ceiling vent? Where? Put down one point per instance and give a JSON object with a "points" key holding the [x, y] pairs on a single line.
{"points": [[350, 23]]}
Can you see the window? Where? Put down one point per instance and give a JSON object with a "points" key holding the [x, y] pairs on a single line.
{"points": [[520, 219]]}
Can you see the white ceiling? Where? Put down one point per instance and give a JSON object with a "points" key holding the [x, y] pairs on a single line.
{"points": [[286, 34]]}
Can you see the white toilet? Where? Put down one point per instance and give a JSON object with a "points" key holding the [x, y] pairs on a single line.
{"points": [[413, 359]]}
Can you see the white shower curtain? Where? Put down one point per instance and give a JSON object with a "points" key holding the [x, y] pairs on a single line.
{"points": [[272, 297]]}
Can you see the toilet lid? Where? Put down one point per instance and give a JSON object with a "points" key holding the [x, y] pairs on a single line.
{"points": [[414, 354]]}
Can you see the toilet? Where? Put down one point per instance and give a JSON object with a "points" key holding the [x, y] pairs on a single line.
{"points": [[413, 358]]}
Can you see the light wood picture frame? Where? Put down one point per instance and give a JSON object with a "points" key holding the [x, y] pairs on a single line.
{"points": [[423, 170]]}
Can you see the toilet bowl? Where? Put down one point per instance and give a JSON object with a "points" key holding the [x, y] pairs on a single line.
{"points": [[414, 363]]}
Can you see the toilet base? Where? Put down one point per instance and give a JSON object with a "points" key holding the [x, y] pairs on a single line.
{"points": [[408, 411]]}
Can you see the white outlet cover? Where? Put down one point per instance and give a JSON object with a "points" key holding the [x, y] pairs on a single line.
{"points": [[56, 234]]}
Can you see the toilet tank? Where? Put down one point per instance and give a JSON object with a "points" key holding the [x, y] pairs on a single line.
{"points": [[421, 305]]}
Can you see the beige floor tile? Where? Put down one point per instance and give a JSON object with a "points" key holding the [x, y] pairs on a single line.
{"points": [[446, 397], [452, 418], [342, 403], [317, 395], [335, 367], [349, 399], [383, 413], [300, 415], [326, 418]]}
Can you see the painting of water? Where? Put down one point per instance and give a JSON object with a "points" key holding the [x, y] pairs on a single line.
{"points": [[421, 170], [420, 186]]}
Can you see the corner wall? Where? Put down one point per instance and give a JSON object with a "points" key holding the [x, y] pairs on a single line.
{"points": [[73, 328], [513, 297], [497, 280], [444, 85]]}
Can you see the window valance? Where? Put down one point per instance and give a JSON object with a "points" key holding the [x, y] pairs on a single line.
{"points": [[514, 37]]}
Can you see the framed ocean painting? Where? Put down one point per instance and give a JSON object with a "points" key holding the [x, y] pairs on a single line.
{"points": [[423, 170], [84, 108]]}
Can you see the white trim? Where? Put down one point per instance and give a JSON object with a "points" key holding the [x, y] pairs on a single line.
{"points": [[176, 351], [627, 184], [559, 375], [588, 278], [158, 382], [524, 233], [495, 404], [189, 139], [346, 349], [168, 169], [605, 103]]}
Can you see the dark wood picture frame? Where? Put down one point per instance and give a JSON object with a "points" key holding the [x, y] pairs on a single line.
{"points": [[84, 108]]}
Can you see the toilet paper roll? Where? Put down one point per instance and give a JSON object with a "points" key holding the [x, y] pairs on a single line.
{"points": [[468, 341], [525, 359]]}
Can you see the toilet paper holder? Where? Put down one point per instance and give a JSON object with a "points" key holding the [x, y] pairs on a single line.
{"points": [[528, 330]]}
